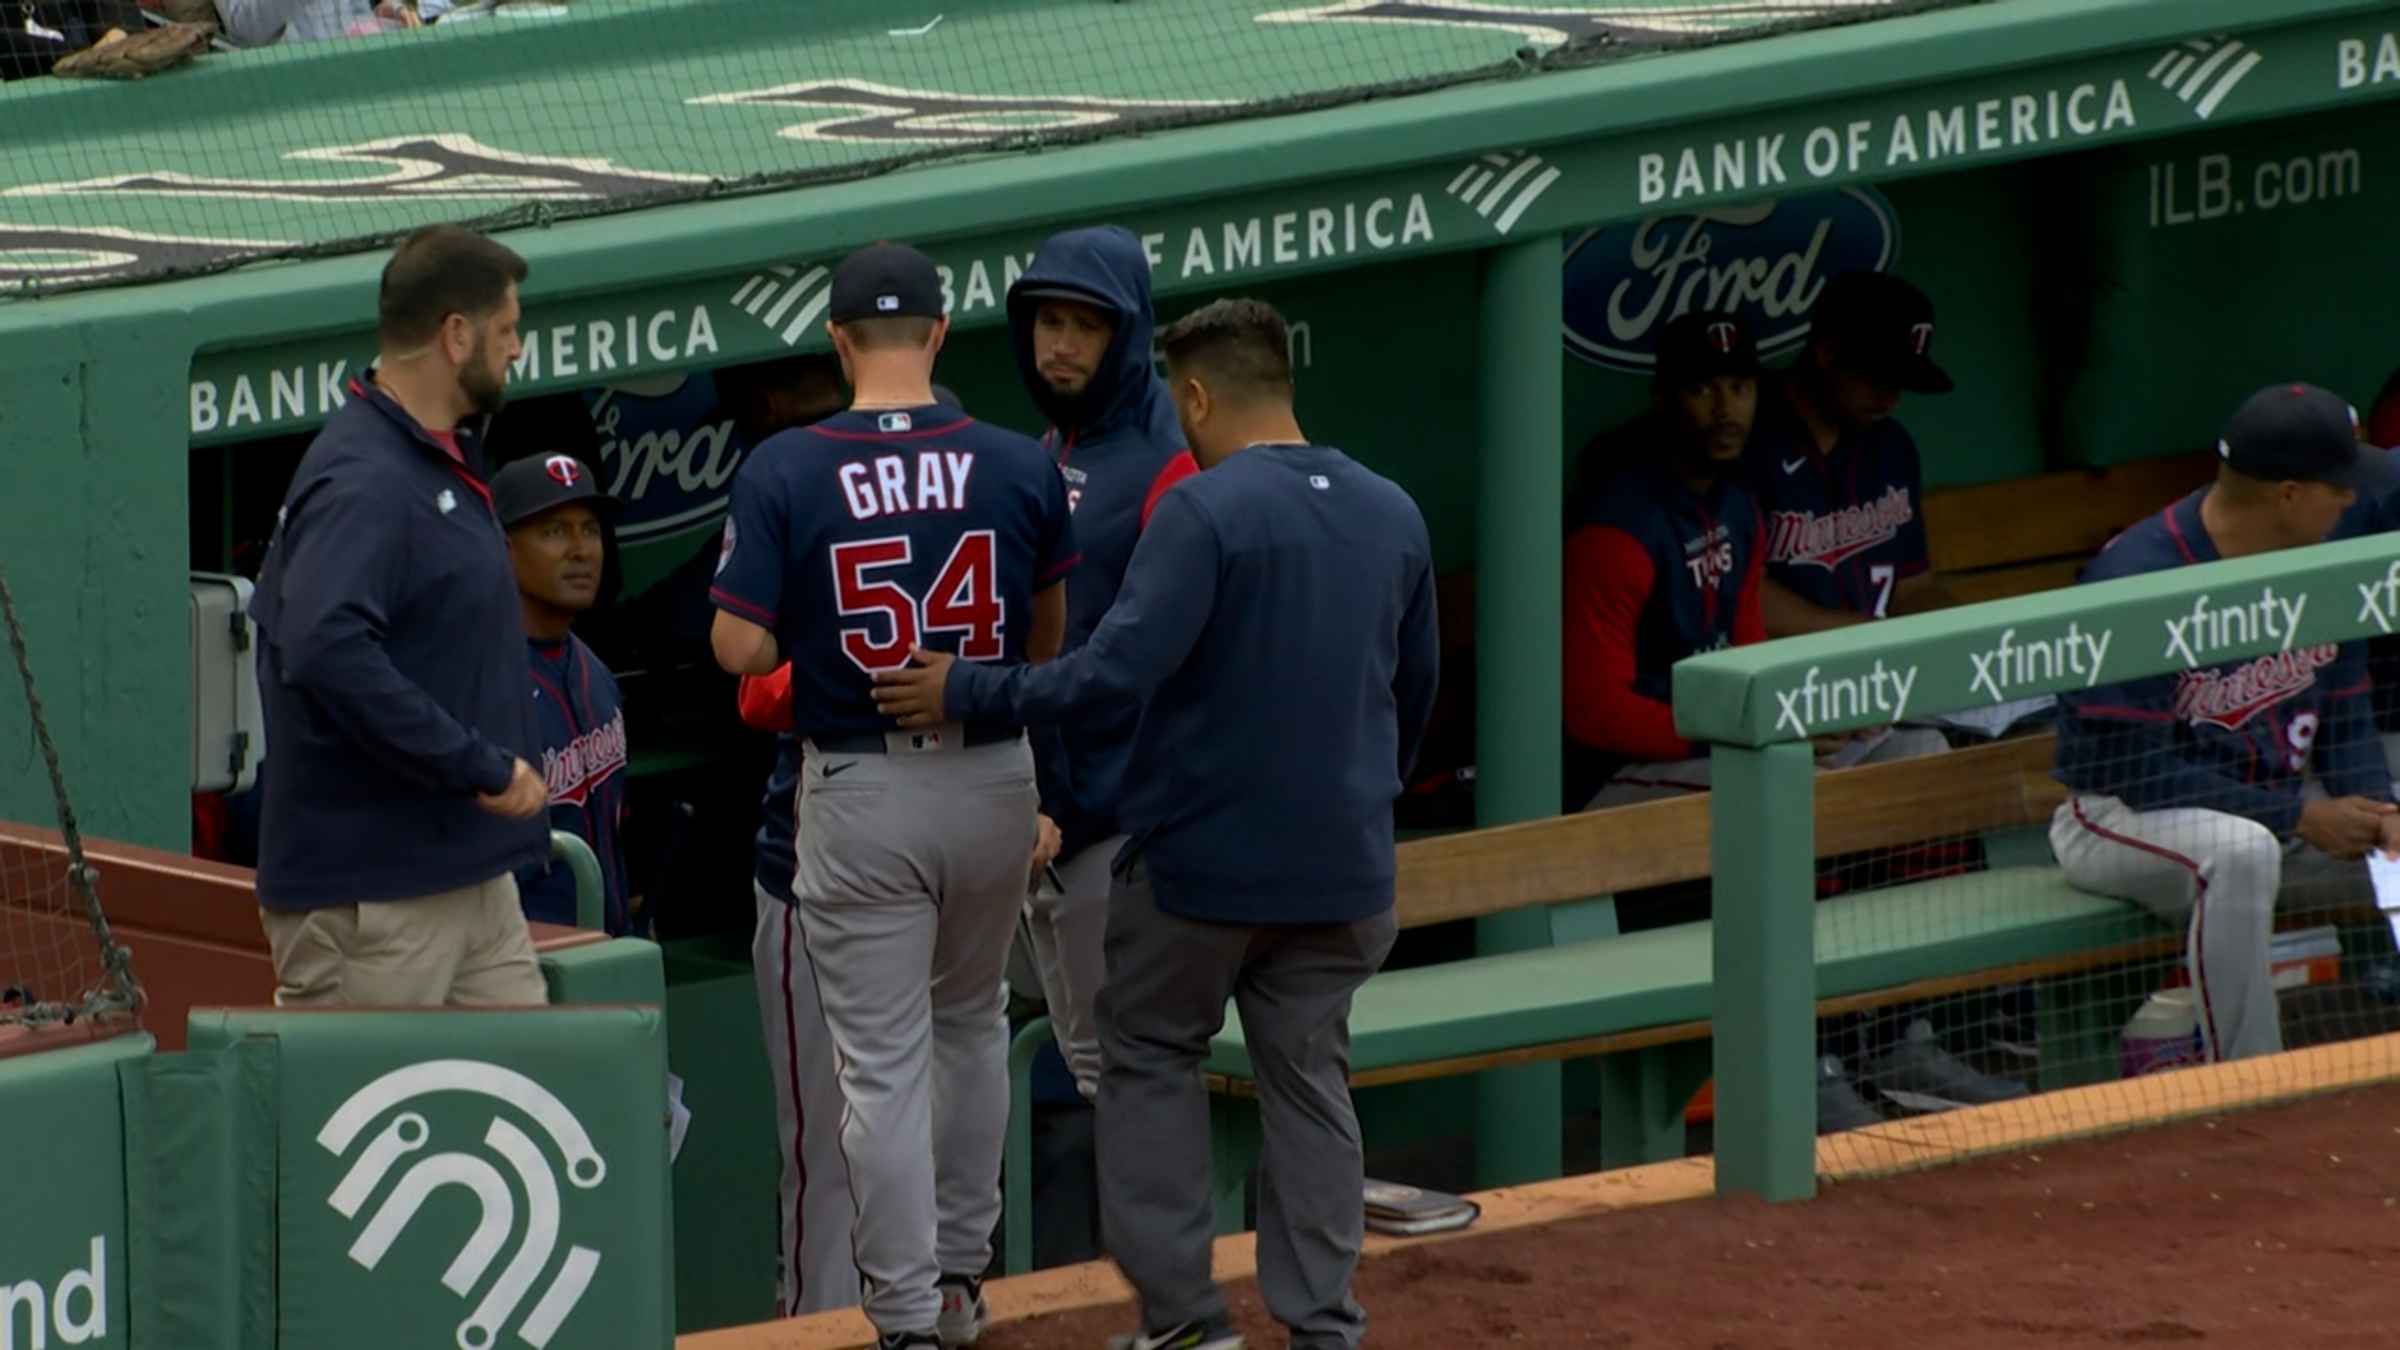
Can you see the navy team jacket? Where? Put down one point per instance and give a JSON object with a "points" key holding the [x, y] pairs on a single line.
{"points": [[392, 669], [582, 722], [1654, 573], [1112, 442], [2234, 737], [1277, 630]]}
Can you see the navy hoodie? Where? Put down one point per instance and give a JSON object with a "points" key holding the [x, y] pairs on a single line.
{"points": [[581, 718], [392, 666], [1278, 620], [1111, 442]]}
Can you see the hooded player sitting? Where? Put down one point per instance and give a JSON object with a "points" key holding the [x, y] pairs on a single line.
{"points": [[2189, 790]]}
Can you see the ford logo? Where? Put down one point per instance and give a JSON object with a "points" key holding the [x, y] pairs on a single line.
{"points": [[1765, 262], [663, 458]]}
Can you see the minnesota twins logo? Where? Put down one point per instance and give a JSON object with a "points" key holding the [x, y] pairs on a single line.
{"points": [[864, 112], [563, 469], [1721, 335], [529, 1174], [1920, 336]]}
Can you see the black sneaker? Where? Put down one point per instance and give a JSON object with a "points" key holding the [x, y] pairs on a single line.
{"points": [[908, 1340], [1188, 1336]]}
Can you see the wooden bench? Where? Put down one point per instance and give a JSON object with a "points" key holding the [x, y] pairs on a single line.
{"points": [[2032, 534], [1640, 1002]]}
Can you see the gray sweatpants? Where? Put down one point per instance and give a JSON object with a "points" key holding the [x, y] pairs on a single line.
{"points": [[1067, 931], [912, 867], [1164, 998], [2218, 875]]}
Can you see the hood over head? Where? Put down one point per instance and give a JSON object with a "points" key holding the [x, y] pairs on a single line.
{"points": [[1104, 266]]}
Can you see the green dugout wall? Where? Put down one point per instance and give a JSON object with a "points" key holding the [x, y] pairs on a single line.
{"points": [[2020, 147]]}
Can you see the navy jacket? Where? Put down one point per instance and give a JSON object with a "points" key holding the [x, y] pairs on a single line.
{"points": [[393, 670], [581, 718], [2234, 737], [1111, 442], [1845, 529], [1278, 619]]}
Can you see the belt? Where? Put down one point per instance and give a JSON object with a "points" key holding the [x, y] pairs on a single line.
{"points": [[948, 736]]}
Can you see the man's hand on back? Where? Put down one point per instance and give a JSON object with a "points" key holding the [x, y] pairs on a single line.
{"points": [[912, 694], [2346, 827], [523, 798]]}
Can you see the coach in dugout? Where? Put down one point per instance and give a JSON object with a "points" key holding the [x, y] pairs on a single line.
{"points": [[557, 523], [398, 802]]}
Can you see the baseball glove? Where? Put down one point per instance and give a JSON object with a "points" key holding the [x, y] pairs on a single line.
{"points": [[119, 57]]}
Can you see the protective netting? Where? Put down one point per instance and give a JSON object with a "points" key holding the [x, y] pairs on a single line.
{"points": [[60, 970], [518, 113], [2028, 940]]}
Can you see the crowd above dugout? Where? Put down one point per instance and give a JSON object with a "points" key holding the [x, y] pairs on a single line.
{"points": [[54, 30]]}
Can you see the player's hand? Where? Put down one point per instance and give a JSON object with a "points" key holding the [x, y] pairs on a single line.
{"points": [[523, 798], [1045, 843], [2346, 827], [912, 694], [2390, 842]]}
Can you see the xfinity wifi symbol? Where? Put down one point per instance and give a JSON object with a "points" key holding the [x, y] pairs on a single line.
{"points": [[527, 1166]]}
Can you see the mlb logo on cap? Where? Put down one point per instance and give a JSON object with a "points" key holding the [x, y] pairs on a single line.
{"points": [[887, 303], [886, 281]]}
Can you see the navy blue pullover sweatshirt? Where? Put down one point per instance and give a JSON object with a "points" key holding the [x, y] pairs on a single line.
{"points": [[1111, 441], [1278, 619], [392, 666], [581, 720], [2236, 736]]}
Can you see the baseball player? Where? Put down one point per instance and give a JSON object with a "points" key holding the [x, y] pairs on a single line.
{"points": [[1665, 550], [2187, 789], [1838, 477], [556, 518], [1080, 322], [897, 524]]}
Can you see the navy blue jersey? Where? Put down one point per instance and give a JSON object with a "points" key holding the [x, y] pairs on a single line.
{"points": [[1843, 529], [1655, 572], [2236, 736], [581, 720], [869, 533]]}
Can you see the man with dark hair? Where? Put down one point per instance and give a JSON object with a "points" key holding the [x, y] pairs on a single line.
{"points": [[1276, 628], [398, 799], [848, 543], [556, 518], [2188, 792], [1080, 322], [1838, 477]]}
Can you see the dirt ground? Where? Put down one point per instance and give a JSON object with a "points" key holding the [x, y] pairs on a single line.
{"points": [[2278, 1227]]}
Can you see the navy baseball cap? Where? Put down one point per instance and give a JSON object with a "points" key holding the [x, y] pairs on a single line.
{"points": [[1702, 345], [886, 281], [2299, 433], [537, 483], [1882, 328]]}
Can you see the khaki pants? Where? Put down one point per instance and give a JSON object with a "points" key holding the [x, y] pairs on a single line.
{"points": [[464, 948]]}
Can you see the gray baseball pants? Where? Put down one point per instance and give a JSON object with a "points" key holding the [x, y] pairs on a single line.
{"points": [[2219, 876], [1168, 981], [911, 871], [1067, 929]]}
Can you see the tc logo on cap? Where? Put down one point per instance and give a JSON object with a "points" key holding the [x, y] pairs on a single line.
{"points": [[1721, 335], [563, 470], [1920, 336], [887, 303]]}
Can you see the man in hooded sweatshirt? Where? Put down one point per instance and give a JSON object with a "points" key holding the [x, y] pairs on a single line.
{"points": [[1081, 323]]}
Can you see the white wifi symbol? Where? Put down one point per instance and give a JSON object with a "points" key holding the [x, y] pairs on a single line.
{"points": [[408, 1133]]}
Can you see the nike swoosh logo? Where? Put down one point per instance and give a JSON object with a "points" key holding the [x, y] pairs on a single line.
{"points": [[832, 769], [1794, 465]]}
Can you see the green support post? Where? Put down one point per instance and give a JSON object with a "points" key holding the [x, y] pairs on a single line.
{"points": [[1762, 856], [1518, 1112], [591, 898], [1016, 1167]]}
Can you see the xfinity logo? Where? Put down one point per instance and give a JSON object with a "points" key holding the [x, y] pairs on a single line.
{"points": [[2008, 663], [522, 1169], [1881, 692], [2208, 627], [2379, 601]]}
